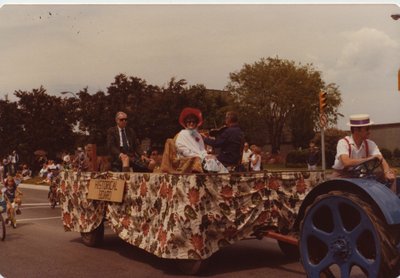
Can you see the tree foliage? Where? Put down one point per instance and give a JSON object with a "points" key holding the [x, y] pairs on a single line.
{"points": [[276, 94], [272, 96], [46, 122], [10, 127]]}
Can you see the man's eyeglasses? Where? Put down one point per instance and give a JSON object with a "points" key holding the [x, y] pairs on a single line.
{"points": [[191, 122], [123, 120]]}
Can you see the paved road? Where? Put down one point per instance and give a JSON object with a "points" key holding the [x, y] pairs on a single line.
{"points": [[39, 247]]}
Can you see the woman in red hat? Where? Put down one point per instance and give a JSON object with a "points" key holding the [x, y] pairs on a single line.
{"points": [[189, 142]]}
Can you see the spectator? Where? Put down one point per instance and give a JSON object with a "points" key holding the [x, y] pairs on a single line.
{"points": [[6, 165], [43, 171], [313, 156], [38, 165], [14, 160], [246, 156], [255, 160], [26, 172]]}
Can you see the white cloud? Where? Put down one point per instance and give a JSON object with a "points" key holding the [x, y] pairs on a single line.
{"points": [[368, 50], [354, 46]]}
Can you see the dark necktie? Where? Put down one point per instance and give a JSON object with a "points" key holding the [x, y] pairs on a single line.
{"points": [[125, 144]]}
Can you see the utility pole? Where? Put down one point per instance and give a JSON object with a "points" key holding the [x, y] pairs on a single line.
{"points": [[322, 123], [396, 17]]}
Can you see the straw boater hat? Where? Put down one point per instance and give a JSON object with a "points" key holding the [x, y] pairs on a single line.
{"points": [[190, 111], [359, 120]]}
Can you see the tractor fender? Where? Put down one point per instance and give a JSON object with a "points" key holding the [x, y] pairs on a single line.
{"points": [[376, 192]]}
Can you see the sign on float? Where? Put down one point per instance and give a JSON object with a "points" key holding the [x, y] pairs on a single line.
{"points": [[106, 190]]}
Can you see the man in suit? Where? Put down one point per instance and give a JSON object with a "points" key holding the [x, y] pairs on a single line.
{"points": [[123, 146]]}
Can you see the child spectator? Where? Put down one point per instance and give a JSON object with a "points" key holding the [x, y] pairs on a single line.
{"points": [[255, 160]]}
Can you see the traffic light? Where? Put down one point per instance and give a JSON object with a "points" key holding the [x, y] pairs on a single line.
{"points": [[322, 102]]}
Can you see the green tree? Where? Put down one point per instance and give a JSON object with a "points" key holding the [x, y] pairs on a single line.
{"points": [[275, 94], [95, 118], [47, 122], [10, 129]]}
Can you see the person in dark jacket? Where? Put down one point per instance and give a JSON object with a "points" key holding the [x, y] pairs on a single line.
{"points": [[123, 146], [230, 141]]}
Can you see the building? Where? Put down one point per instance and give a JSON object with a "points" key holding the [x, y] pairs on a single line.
{"points": [[386, 135]]}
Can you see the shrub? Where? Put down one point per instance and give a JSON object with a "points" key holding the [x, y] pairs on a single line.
{"points": [[296, 158]]}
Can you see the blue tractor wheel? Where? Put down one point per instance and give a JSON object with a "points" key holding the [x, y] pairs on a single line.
{"points": [[341, 230]]}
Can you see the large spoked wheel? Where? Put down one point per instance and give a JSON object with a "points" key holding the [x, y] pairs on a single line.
{"points": [[2, 228], [340, 230], [95, 237]]}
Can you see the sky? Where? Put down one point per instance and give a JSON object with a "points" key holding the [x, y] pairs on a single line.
{"points": [[71, 47]]}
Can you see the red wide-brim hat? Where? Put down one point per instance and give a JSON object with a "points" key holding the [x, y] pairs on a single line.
{"points": [[190, 111]]}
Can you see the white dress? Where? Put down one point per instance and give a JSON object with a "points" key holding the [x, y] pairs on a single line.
{"points": [[257, 166], [189, 143]]}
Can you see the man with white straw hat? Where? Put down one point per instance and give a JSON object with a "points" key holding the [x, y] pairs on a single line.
{"points": [[357, 148]]}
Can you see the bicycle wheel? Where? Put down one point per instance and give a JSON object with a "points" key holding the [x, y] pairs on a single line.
{"points": [[2, 228]]}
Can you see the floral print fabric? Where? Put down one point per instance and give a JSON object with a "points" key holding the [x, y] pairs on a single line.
{"points": [[188, 216]]}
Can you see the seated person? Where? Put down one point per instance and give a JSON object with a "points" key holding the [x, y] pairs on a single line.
{"points": [[189, 142], [124, 147], [230, 141], [151, 159], [357, 148], [43, 171], [26, 172]]}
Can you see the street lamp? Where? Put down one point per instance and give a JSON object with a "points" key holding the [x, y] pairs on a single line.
{"points": [[68, 92], [395, 16]]}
